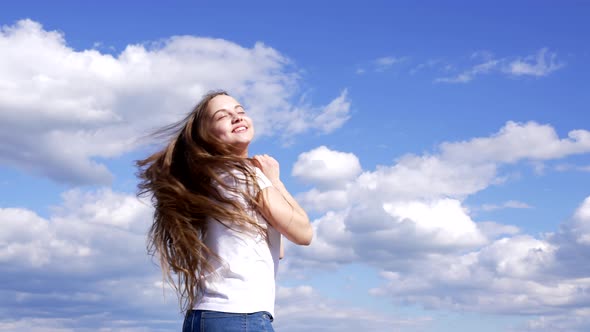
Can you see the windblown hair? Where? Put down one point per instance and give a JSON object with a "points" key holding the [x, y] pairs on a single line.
{"points": [[182, 180]]}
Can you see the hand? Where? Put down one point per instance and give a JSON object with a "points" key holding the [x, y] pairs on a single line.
{"points": [[269, 166]]}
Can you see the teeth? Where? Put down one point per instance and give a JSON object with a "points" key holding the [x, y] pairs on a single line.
{"points": [[239, 129]]}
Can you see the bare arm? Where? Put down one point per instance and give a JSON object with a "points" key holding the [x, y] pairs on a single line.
{"points": [[280, 208]]}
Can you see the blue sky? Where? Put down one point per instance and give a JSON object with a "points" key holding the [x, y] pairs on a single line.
{"points": [[442, 151]]}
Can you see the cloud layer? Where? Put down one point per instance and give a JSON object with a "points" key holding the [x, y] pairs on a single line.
{"points": [[61, 111], [409, 221], [429, 249]]}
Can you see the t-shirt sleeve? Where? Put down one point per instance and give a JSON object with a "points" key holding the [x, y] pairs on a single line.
{"points": [[263, 181]]}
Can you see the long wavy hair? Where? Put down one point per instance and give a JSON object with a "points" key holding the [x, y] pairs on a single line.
{"points": [[183, 180]]}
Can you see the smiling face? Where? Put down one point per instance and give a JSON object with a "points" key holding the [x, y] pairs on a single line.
{"points": [[229, 124]]}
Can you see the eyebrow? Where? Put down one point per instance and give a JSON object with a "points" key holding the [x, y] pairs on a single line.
{"points": [[225, 110]]}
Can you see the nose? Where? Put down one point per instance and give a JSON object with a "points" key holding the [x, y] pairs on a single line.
{"points": [[236, 118]]}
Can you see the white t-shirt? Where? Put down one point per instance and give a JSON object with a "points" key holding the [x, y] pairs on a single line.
{"points": [[244, 279]]}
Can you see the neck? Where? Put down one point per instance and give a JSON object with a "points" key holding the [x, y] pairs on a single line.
{"points": [[241, 152]]}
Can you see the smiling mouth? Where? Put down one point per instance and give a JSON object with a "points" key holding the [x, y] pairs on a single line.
{"points": [[240, 129]]}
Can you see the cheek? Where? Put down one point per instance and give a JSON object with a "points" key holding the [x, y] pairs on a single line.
{"points": [[217, 130]]}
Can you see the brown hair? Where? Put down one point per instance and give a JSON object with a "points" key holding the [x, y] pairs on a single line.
{"points": [[180, 179]]}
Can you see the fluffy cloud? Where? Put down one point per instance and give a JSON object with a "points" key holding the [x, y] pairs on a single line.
{"points": [[425, 176], [408, 220], [87, 229], [110, 286], [26, 239], [573, 240], [492, 229], [331, 247], [299, 308], [444, 219], [519, 274], [394, 235], [581, 223], [61, 111], [458, 170], [430, 250], [326, 168], [413, 208], [87, 258], [577, 320], [518, 141], [323, 201]]}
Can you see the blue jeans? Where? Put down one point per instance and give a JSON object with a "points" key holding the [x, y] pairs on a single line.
{"points": [[217, 321]]}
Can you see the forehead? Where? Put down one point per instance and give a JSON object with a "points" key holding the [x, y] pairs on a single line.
{"points": [[221, 102]]}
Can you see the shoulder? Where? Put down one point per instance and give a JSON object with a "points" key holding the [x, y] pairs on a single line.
{"points": [[261, 179], [237, 179]]}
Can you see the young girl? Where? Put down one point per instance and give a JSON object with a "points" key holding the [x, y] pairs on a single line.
{"points": [[218, 218]]}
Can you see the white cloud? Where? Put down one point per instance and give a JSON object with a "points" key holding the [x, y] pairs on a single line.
{"points": [[517, 141], [577, 320], [36, 324], [333, 115], [326, 168], [430, 64], [506, 205], [431, 251], [579, 225], [399, 235], [492, 230], [384, 63], [426, 176], [323, 201], [517, 205], [381, 64], [512, 275], [570, 167], [444, 219], [468, 75], [541, 64], [408, 219], [507, 276], [88, 233], [25, 238], [94, 323], [582, 214], [331, 247], [104, 207], [85, 267], [60, 111], [518, 257], [301, 308], [391, 234], [399, 213]]}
